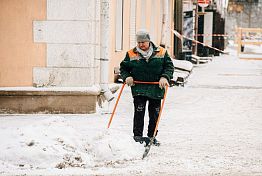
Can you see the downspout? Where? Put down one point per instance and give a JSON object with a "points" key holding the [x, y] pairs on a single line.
{"points": [[164, 23], [104, 50]]}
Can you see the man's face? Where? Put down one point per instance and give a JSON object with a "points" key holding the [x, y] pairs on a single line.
{"points": [[143, 45]]}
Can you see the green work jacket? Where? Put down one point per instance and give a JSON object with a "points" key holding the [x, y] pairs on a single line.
{"points": [[151, 70]]}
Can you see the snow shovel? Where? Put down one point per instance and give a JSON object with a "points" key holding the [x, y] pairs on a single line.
{"points": [[119, 95], [147, 148]]}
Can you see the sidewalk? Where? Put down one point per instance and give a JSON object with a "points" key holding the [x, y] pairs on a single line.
{"points": [[212, 126]]}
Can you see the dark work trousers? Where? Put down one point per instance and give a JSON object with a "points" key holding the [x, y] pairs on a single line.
{"points": [[153, 111]]}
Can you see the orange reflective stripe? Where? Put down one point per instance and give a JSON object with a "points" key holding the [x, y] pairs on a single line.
{"points": [[131, 53], [161, 52]]}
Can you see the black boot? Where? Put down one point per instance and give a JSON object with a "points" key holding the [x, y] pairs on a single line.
{"points": [[141, 139], [156, 142], [138, 139]]}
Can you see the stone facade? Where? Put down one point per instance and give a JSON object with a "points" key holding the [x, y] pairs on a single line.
{"points": [[53, 101], [71, 35]]}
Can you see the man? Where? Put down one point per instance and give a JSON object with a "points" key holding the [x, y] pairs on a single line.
{"points": [[148, 63]]}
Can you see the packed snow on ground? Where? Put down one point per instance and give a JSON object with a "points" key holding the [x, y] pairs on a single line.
{"points": [[212, 126]]}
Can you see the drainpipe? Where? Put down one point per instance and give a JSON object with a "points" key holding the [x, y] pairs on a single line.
{"points": [[104, 50], [164, 23]]}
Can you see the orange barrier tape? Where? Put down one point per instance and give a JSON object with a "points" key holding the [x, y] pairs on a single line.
{"points": [[193, 40], [213, 35]]}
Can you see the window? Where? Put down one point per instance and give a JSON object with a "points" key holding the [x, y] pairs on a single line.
{"points": [[119, 25], [143, 14], [132, 23]]}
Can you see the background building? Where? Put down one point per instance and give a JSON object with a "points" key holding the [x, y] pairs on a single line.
{"points": [[57, 43]]}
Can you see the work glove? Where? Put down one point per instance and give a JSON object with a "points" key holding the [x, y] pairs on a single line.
{"points": [[130, 81], [163, 82]]}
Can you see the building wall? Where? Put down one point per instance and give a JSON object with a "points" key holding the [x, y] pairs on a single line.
{"points": [[18, 53], [71, 37], [148, 15], [57, 43], [245, 15], [117, 56]]}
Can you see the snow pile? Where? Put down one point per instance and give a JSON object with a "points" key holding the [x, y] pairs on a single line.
{"points": [[119, 147], [54, 143], [182, 65], [52, 140], [92, 90]]}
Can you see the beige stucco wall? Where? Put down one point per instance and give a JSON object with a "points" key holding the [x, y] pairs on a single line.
{"points": [[117, 56], [18, 53]]}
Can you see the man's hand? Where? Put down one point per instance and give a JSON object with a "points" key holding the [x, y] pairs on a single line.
{"points": [[163, 82], [130, 81]]}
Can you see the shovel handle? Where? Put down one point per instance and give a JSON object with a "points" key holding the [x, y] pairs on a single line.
{"points": [[119, 95], [160, 112], [111, 117], [143, 82]]}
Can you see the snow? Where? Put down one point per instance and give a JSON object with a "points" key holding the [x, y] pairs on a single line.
{"points": [[211, 126], [182, 64], [93, 89]]}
